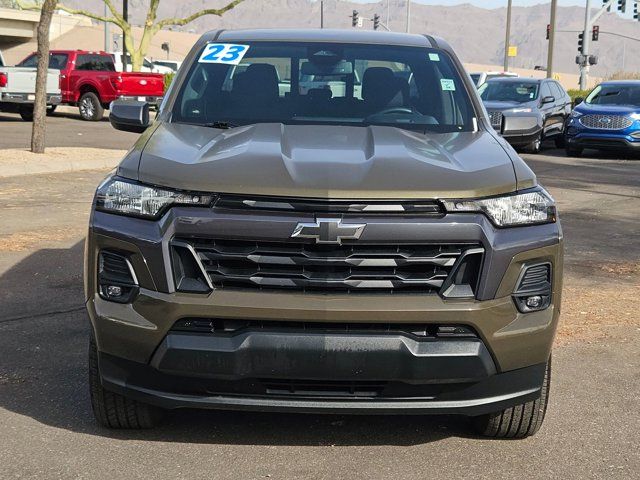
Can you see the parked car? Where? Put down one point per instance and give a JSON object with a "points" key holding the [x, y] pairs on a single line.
{"points": [[527, 111], [608, 119], [147, 64], [480, 78], [260, 250], [174, 65], [18, 89], [89, 81]]}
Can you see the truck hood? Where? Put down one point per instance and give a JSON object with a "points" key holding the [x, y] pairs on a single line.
{"points": [[501, 105], [338, 162]]}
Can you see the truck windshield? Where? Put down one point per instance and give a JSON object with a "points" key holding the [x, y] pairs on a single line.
{"points": [[615, 95], [320, 83], [508, 91]]}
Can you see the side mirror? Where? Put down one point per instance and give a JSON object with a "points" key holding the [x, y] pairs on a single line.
{"points": [[129, 115], [548, 99], [578, 100]]}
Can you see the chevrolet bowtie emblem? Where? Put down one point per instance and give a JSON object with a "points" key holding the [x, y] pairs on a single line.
{"points": [[329, 230]]}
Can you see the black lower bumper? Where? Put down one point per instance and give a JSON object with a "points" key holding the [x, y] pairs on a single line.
{"points": [[603, 143], [322, 373]]}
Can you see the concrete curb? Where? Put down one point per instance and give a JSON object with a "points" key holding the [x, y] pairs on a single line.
{"points": [[15, 162]]}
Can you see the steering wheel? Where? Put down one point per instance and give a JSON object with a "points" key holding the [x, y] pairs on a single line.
{"points": [[392, 110]]}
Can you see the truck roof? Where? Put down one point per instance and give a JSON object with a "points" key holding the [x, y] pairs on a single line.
{"points": [[327, 35]]}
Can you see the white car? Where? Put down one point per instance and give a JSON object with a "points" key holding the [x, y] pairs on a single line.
{"points": [[174, 65], [480, 78], [147, 65]]}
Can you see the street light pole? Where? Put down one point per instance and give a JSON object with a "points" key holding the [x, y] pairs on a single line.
{"points": [[584, 66], [107, 40], [507, 40], [125, 15], [408, 16], [552, 38]]}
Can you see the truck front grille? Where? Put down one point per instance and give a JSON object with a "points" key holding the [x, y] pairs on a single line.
{"points": [[317, 267], [606, 122], [496, 119]]}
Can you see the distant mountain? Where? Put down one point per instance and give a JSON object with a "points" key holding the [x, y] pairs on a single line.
{"points": [[476, 33]]}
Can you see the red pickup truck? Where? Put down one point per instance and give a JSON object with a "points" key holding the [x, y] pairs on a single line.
{"points": [[89, 80]]}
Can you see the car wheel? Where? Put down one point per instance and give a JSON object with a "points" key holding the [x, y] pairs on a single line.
{"points": [[112, 410], [573, 151], [51, 109], [520, 421], [535, 146], [26, 113], [559, 141], [90, 107]]}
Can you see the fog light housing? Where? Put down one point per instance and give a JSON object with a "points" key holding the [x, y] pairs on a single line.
{"points": [[636, 134], [533, 291], [117, 280]]}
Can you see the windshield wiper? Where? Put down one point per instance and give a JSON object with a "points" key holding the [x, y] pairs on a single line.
{"points": [[219, 124]]}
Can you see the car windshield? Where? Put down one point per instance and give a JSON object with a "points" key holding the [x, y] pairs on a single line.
{"points": [[509, 91], [325, 83], [615, 95]]}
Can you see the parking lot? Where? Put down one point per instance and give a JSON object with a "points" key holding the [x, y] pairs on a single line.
{"points": [[591, 430]]}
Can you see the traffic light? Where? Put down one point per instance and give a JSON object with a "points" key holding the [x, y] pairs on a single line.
{"points": [[354, 18], [622, 5], [609, 7], [580, 41], [376, 21], [635, 11], [548, 31], [595, 33]]}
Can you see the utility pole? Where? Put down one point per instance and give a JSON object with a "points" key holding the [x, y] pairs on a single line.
{"points": [[388, 12], [552, 38], [107, 40], [408, 16], [507, 40], [125, 15], [321, 14]]}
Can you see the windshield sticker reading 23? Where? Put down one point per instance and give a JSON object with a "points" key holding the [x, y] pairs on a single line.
{"points": [[223, 53]]}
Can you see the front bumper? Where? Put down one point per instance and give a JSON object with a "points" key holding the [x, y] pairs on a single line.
{"points": [[604, 141], [142, 357]]}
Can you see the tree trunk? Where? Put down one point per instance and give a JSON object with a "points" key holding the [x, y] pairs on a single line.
{"points": [[40, 103]]}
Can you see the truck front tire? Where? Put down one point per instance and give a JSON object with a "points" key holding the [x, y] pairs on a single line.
{"points": [[520, 421], [112, 410], [90, 107]]}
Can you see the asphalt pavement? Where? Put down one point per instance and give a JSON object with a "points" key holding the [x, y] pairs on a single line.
{"points": [[592, 429], [64, 129]]}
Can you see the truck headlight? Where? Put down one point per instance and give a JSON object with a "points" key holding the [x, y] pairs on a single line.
{"points": [[517, 209], [118, 195]]}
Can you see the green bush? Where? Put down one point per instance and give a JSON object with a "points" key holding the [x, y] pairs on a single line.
{"points": [[574, 93], [168, 78]]}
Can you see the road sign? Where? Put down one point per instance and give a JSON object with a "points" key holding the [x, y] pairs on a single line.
{"points": [[513, 51]]}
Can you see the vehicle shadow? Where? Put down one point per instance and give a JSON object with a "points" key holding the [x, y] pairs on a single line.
{"points": [[10, 117], [44, 336]]}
